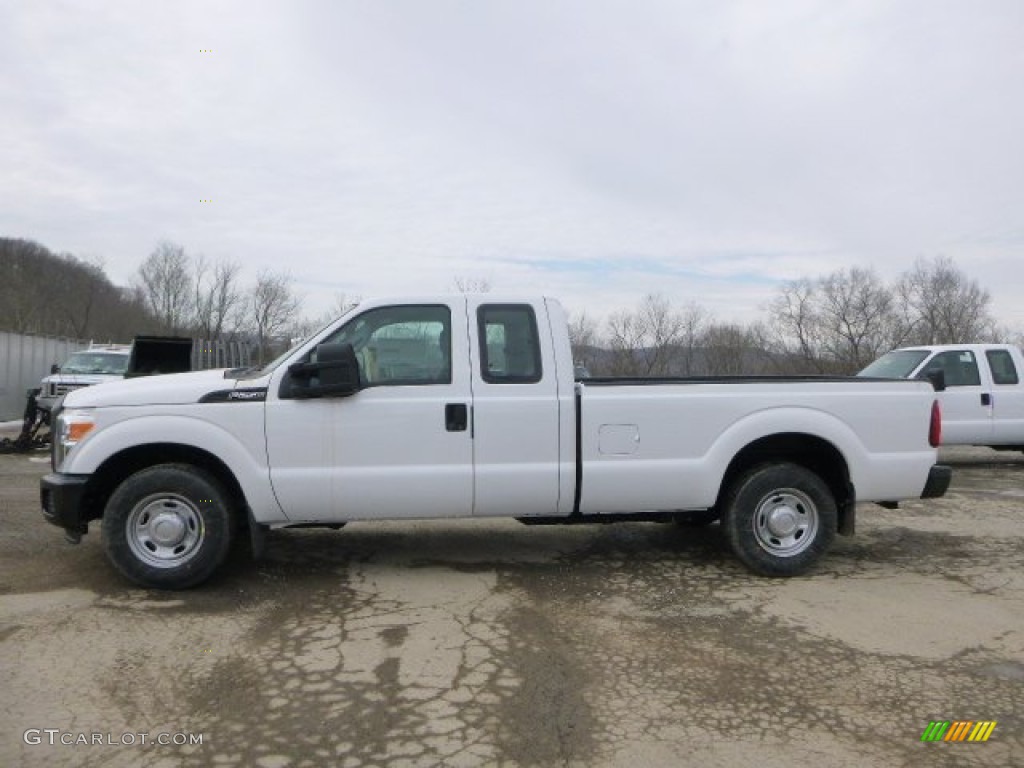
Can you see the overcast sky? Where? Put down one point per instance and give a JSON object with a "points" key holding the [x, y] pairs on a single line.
{"points": [[593, 150]]}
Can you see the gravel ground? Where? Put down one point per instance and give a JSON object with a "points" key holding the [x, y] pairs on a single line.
{"points": [[490, 643]]}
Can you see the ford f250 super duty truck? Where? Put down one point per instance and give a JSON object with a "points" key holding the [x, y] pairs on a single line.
{"points": [[982, 394], [467, 406], [86, 367]]}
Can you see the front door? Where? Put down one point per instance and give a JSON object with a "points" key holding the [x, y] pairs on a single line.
{"points": [[966, 404], [401, 446]]}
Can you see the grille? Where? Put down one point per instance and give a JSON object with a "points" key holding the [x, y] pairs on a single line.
{"points": [[56, 390]]}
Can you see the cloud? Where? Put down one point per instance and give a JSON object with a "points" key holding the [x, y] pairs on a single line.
{"points": [[598, 151]]}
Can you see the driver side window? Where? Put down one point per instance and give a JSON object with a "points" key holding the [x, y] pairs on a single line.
{"points": [[960, 368], [400, 345]]}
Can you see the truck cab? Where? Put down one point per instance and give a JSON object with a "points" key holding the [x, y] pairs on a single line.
{"points": [[983, 399], [464, 409]]}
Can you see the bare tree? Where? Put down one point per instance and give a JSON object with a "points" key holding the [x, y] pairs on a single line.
{"points": [[663, 328], [626, 339], [23, 290], [795, 324], [772, 358], [840, 322], [857, 316], [942, 305], [78, 295], [728, 349], [273, 306], [656, 339], [696, 322], [166, 277], [63, 295], [583, 340], [217, 296]]}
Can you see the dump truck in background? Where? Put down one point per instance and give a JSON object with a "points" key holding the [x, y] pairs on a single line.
{"points": [[99, 364], [145, 356]]}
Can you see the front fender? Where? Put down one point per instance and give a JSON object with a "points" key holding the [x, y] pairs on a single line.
{"points": [[241, 449]]}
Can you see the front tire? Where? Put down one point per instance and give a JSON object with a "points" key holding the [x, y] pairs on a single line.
{"points": [[779, 519], [168, 526]]}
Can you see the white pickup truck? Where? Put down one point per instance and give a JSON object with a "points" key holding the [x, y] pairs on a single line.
{"points": [[982, 395], [467, 406], [85, 368]]}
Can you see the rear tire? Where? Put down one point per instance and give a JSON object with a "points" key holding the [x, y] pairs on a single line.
{"points": [[168, 526], [779, 519]]}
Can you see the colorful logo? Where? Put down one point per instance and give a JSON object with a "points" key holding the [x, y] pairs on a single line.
{"points": [[958, 730]]}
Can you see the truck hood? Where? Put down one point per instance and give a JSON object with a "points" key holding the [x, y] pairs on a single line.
{"points": [[167, 389]]}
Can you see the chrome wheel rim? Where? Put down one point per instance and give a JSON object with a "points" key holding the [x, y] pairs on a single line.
{"points": [[786, 522], [165, 530]]}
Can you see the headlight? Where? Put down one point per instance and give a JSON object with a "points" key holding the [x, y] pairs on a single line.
{"points": [[71, 428]]}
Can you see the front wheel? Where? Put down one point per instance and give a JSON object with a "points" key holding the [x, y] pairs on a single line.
{"points": [[168, 526], [779, 519]]}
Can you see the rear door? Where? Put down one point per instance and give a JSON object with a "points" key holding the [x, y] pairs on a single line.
{"points": [[1007, 398], [515, 409]]}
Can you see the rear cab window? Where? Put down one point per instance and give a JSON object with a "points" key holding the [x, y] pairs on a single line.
{"points": [[1001, 363], [509, 344]]}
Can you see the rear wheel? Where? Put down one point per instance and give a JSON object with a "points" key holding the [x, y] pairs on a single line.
{"points": [[168, 526], [779, 519]]}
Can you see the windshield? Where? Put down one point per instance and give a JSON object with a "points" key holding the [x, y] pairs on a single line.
{"points": [[96, 363], [895, 365]]}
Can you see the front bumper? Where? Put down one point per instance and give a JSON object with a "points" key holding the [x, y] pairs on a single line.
{"points": [[939, 477], [61, 498]]}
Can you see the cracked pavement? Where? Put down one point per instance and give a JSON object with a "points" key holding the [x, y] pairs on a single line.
{"points": [[486, 643]]}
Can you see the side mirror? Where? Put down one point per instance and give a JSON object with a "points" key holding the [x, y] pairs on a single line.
{"points": [[937, 377], [334, 374], [54, 369]]}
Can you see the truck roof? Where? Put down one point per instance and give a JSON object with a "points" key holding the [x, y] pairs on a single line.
{"points": [[434, 298], [973, 347], [123, 349]]}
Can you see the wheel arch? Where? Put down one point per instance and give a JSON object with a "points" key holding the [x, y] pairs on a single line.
{"points": [[810, 451], [121, 465]]}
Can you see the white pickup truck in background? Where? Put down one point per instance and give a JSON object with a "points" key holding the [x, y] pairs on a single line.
{"points": [[466, 406], [983, 396], [96, 365]]}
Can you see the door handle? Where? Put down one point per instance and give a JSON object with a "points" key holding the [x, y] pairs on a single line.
{"points": [[456, 417], [986, 398]]}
